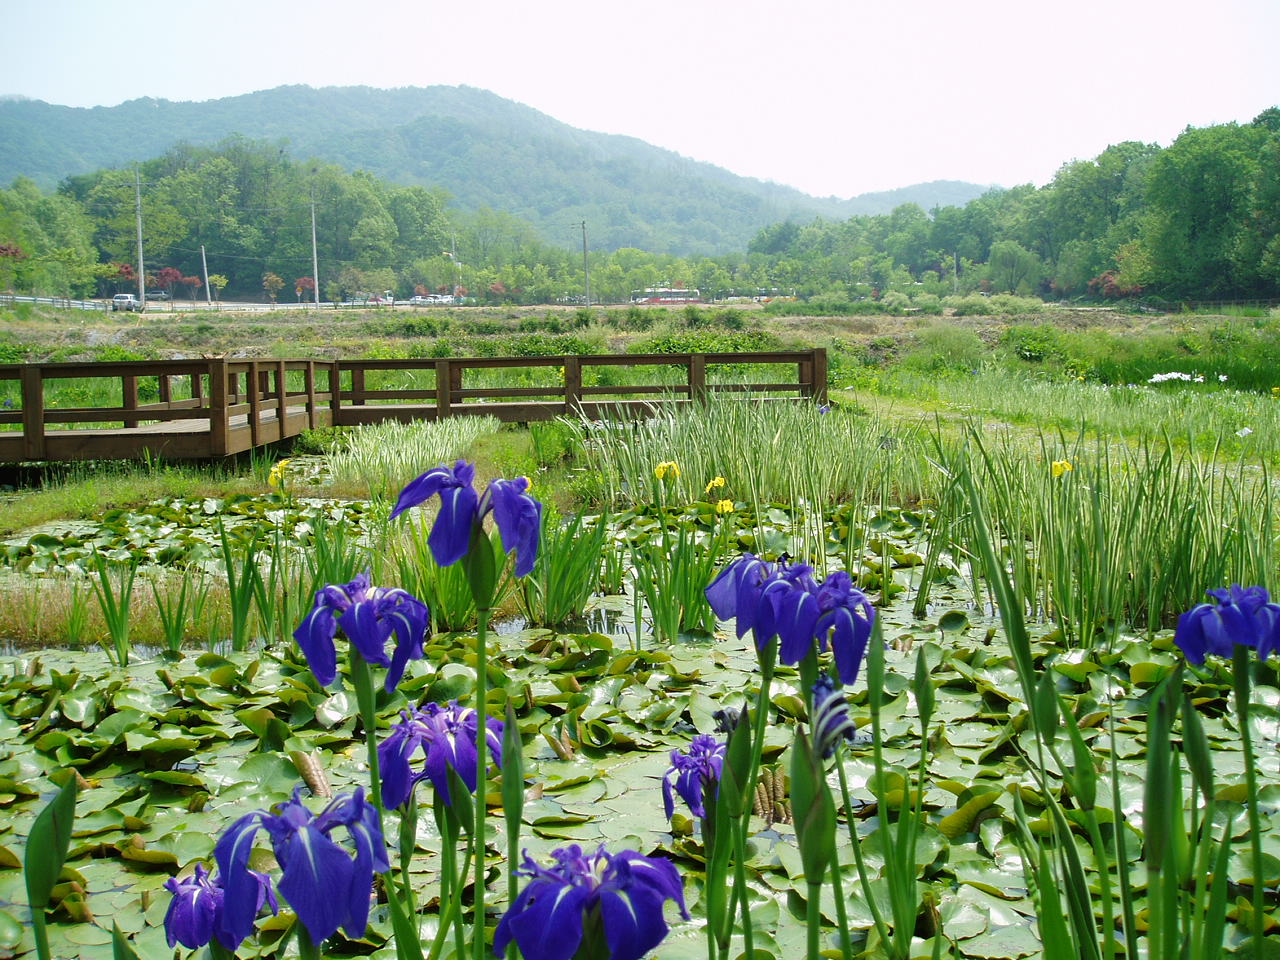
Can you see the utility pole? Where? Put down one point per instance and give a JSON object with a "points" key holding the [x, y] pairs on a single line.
{"points": [[315, 261], [142, 270], [204, 264], [586, 270]]}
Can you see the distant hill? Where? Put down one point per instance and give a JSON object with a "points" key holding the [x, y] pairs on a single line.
{"points": [[482, 149]]}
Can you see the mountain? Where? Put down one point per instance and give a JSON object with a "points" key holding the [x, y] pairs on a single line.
{"points": [[480, 148]]}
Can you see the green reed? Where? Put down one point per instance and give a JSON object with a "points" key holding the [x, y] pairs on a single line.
{"points": [[383, 457], [567, 571], [113, 586]]}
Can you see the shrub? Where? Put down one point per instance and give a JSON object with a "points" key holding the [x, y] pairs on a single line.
{"points": [[895, 302], [1033, 343], [927, 303], [945, 348]]}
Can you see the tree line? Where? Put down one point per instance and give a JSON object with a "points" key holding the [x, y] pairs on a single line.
{"points": [[1199, 219]]}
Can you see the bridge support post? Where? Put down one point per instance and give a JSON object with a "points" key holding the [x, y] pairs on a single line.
{"points": [[129, 397], [282, 399], [309, 380], [33, 446], [698, 377], [572, 386], [218, 419], [444, 377], [255, 403]]}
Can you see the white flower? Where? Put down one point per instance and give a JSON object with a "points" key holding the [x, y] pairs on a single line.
{"points": [[1244, 432], [1200, 379], [1222, 378]]}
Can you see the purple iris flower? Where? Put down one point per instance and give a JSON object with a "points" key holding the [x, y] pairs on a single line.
{"points": [[695, 770], [326, 887], [1243, 616], [785, 601], [447, 737], [845, 616], [766, 598], [830, 722], [622, 892], [462, 510], [735, 594], [195, 914], [368, 616]]}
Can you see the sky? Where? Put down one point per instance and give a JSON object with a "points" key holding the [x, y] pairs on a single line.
{"points": [[834, 97]]}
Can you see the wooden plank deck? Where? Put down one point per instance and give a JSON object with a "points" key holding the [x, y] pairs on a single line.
{"points": [[228, 407]]}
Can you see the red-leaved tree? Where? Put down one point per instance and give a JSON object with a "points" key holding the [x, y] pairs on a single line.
{"points": [[193, 285], [167, 277]]}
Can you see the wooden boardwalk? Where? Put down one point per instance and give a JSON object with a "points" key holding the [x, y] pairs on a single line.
{"points": [[209, 409]]}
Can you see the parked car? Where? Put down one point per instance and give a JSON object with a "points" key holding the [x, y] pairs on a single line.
{"points": [[125, 301], [434, 299], [158, 295]]}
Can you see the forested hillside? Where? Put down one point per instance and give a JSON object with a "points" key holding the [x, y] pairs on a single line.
{"points": [[481, 149], [1199, 219]]}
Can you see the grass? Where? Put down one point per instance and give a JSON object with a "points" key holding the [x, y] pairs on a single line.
{"points": [[378, 460], [1209, 418], [81, 490]]}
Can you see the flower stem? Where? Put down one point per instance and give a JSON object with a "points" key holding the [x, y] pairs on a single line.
{"points": [[842, 918], [482, 769], [362, 679], [739, 831], [306, 949], [813, 917], [1240, 681], [408, 843], [863, 878]]}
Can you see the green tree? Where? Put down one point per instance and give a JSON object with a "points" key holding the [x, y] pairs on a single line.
{"points": [[1013, 269]]}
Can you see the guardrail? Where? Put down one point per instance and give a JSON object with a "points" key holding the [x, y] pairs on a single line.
{"points": [[216, 407]]}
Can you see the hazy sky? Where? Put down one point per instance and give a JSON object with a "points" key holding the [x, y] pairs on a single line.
{"points": [[831, 97]]}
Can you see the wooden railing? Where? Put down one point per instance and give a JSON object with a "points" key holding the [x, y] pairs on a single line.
{"points": [[199, 409]]}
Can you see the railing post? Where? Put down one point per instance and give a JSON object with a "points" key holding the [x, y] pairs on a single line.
{"points": [[255, 402], [129, 397], [197, 388], [572, 385], [357, 386], [698, 376], [166, 388], [32, 412], [282, 398], [335, 392], [819, 368], [218, 415], [444, 377], [309, 378]]}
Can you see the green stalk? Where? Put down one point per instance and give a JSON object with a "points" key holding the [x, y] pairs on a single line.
{"points": [[863, 879], [1240, 682], [449, 916], [39, 928], [813, 918], [306, 949], [842, 917], [408, 842], [739, 831], [482, 768], [366, 700]]}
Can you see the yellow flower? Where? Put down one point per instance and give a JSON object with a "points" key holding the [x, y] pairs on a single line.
{"points": [[1061, 466], [717, 482], [275, 479], [724, 506], [1275, 393], [665, 467]]}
